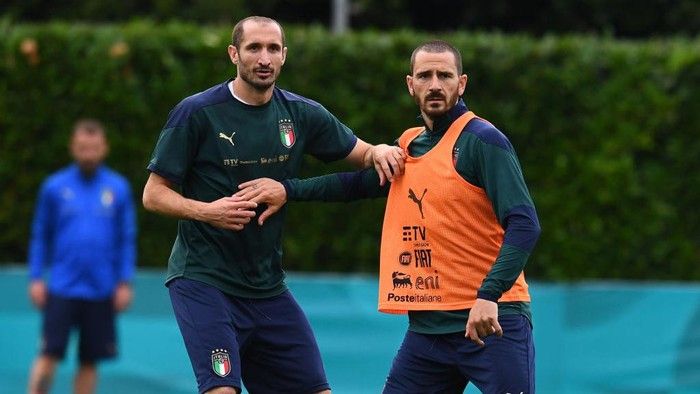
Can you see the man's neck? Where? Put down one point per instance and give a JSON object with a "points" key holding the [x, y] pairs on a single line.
{"points": [[87, 173], [248, 94], [428, 121]]}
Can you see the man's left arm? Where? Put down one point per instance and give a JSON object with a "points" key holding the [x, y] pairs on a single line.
{"points": [[346, 186], [388, 160], [329, 140], [126, 260], [501, 177]]}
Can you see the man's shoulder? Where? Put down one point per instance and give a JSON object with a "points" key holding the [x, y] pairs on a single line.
{"points": [[295, 99], [184, 109], [487, 133], [59, 178]]}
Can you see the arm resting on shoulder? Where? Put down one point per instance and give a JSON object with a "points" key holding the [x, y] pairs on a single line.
{"points": [[387, 160]]}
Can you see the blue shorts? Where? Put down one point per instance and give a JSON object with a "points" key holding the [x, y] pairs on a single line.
{"points": [[93, 319], [446, 363], [267, 343]]}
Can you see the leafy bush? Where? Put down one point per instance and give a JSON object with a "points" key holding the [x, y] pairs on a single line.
{"points": [[605, 131]]}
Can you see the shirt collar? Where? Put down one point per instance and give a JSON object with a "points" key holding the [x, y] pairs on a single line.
{"points": [[78, 173], [441, 124]]}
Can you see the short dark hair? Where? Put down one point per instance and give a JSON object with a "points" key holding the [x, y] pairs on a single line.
{"points": [[90, 126], [237, 33], [438, 46]]}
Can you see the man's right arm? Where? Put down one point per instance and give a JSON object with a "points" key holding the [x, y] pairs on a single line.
{"points": [[42, 230], [228, 212]]}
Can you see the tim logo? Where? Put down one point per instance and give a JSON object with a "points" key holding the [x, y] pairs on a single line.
{"points": [[405, 258], [418, 201], [401, 280], [413, 233]]}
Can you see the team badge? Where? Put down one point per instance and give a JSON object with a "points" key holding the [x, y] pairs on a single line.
{"points": [[107, 197], [220, 362], [67, 194], [287, 135]]}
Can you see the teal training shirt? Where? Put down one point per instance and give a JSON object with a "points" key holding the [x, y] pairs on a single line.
{"points": [[485, 158], [210, 144]]}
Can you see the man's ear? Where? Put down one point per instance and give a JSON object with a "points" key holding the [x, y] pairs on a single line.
{"points": [[463, 83], [284, 55], [233, 54], [409, 84]]}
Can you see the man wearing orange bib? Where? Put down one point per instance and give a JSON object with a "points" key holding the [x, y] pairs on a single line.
{"points": [[458, 229]]}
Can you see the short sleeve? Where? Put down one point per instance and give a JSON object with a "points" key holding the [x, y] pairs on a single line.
{"points": [[176, 146], [329, 138]]}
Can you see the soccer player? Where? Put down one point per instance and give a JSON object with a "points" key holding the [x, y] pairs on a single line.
{"points": [[458, 229], [84, 234], [225, 278]]}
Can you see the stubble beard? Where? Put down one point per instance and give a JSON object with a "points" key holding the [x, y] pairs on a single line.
{"points": [[434, 113], [259, 85], [428, 111]]}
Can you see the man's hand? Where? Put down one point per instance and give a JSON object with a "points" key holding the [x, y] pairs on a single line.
{"points": [[230, 213], [483, 321], [37, 293], [388, 161], [263, 191], [122, 297]]}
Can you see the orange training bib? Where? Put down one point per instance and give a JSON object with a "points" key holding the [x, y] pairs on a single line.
{"points": [[440, 236]]}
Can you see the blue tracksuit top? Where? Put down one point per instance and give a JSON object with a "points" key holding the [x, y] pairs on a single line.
{"points": [[84, 233]]}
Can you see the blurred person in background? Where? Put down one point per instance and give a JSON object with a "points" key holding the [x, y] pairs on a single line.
{"points": [[83, 234], [458, 229], [239, 322]]}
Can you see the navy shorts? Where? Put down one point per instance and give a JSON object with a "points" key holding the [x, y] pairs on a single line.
{"points": [[446, 363], [94, 320], [267, 343]]}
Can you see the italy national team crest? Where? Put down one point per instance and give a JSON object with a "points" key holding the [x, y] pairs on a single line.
{"points": [[107, 197], [220, 362], [287, 135]]}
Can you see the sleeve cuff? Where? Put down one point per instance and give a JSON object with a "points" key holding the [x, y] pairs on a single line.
{"points": [[485, 295], [35, 274], [289, 189], [165, 174]]}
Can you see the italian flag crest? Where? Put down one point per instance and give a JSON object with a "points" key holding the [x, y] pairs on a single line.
{"points": [[220, 362], [107, 197], [287, 135]]}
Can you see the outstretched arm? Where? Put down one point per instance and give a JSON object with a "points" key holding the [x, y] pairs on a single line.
{"points": [[337, 187], [228, 212]]}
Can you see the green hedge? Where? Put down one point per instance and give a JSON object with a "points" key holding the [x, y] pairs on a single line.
{"points": [[606, 132]]}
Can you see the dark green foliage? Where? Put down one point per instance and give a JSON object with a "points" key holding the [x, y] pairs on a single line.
{"points": [[619, 18], [606, 132]]}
